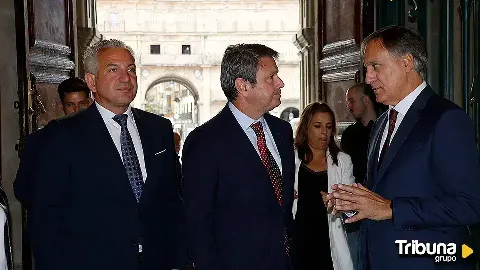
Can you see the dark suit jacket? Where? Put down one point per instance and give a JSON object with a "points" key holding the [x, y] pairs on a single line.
{"points": [[431, 171], [84, 213], [233, 217], [28, 160]]}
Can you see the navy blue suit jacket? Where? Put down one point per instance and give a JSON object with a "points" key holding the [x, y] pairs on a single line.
{"points": [[431, 172], [84, 214], [28, 160], [233, 217]]}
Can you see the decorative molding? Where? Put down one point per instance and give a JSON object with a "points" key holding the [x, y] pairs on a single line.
{"points": [[51, 61], [52, 48], [340, 76], [343, 45], [340, 61], [304, 39], [51, 55], [45, 77]]}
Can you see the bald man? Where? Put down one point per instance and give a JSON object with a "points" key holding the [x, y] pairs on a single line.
{"points": [[361, 104]]}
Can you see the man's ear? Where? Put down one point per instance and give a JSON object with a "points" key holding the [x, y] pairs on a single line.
{"points": [[90, 101], [241, 86], [407, 62], [90, 80], [365, 99]]}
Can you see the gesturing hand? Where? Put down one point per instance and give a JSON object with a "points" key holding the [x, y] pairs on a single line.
{"points": [[356, 197], [328, 203]]}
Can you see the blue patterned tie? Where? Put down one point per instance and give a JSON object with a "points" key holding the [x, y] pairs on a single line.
{"points": [[129, 155]]}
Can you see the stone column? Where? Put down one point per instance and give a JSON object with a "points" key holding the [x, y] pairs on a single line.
{"points": [[305, 42], [87, 32]]}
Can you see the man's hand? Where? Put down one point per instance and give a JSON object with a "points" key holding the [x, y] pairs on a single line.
{"points": [[356, 197], [328, 203]]}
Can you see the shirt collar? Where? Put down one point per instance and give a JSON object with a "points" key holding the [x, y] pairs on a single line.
{"points": [[244, 120], [108, 115], [405, 104]]}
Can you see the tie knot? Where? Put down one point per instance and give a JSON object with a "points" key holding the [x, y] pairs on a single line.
{"points": [[393, 115], [121, 119], [258, 128]]}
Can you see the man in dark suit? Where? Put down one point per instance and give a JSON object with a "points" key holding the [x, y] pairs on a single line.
{"points": [[423, 174], [123, 210], [238, 171]]}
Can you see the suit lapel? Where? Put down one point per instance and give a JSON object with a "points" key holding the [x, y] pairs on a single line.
{"points": [[373, 148], [101, 137], [282, 146], [279, 142], [106, 150], [148, 143], [408, 122], [244, 148]]}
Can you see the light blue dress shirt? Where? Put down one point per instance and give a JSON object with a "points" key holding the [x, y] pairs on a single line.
{"points": [[245, 122]]}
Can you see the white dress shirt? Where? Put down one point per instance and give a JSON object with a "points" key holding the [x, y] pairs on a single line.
{"points": [[402, 108], [115, 130], [245, 122]]}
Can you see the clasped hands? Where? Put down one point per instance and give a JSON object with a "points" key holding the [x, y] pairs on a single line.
{"points": [[356, 197]]}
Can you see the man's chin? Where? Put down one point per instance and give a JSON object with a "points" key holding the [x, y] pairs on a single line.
{"points": [[274, 105]]}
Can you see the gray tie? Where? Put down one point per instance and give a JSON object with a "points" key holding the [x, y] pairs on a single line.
{"points": [[129, 155]]}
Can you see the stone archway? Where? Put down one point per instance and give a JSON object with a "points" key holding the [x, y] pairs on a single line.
{"points": [[176, 99]]}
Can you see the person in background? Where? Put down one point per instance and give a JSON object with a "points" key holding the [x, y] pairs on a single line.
{"points": [[319, 164], [74, 94], [361, 104], [354, 142], [238, 171], [422, 182], [178, 142]]}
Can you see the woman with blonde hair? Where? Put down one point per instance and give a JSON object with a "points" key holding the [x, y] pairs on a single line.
{"points": [[319, 164]]}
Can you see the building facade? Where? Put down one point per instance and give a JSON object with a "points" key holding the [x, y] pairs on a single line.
{"points": [[179, 47]]}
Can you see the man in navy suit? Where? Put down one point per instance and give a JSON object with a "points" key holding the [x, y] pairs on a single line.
{"points": [[238, 171], [122, 210], [423, 175]]}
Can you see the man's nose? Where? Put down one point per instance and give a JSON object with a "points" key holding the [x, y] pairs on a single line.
{"points": [[370, 76], [76, 107], [280, 83], [124, 76]]}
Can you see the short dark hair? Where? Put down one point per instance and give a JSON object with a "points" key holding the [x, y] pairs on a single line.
{"points": [[399, 41], [301, 141], [71, 85], [241, 61], [366, 90]]}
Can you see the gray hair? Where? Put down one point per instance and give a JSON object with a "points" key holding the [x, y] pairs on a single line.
{"points": [[90, 57], [241, 61], [399, 41]]}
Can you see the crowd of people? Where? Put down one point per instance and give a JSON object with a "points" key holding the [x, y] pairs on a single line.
{"points": [[248, 194]]}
